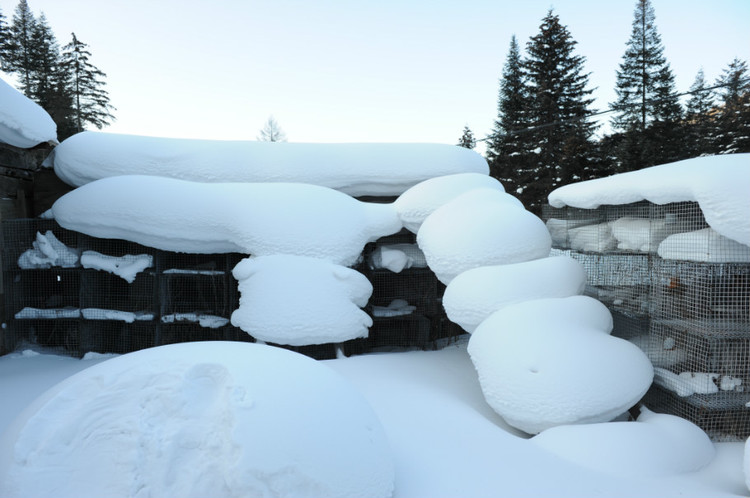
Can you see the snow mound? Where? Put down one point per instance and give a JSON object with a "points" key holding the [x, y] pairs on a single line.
{"points": [[655, 445], [299, 301], [639, 234], [705, 245], [417, 203], [481, 227], [397, 257], [717, 183], [23, 122], [47, 251], [252, 218], [475, 294], [356, 169], [214, 419], [538, 374]]}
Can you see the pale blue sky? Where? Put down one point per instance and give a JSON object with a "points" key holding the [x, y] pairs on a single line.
{"points": [[352, 71]]}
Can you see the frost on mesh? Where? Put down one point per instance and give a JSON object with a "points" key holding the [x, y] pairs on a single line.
{"points": [[362, 169], [300, 301], [23, 122], [47, 251]]}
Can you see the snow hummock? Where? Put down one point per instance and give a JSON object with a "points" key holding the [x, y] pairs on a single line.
{"points": [[397, 257], [655, 445], [705, 245], [23, 122], [299, 301], [475, 294], [126, 267], [417, 203], [719, 185], [358, 169], [47, 251], [481, 227], [538, 370], [202, 419], [251, 218]]}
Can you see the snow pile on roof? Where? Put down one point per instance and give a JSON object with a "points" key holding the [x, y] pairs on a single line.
{"points": [[481, 227], [705, 245], [475, 294], [539, 370], [655, 445], [258, 219], [298, 301], [212, 419], [23, 123], [417, 203], [719, 184], [356, 169]]}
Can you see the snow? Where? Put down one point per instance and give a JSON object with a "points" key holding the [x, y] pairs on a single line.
{"points": [[298, 300], [475, 294], [655, 445], [126, 267], [538, 370], [358, 169], [23, 122], [445, 440], [250, 218], [481, 227], [397, 307], [705, 245], [47, 251], [199, 419], [29, 313], [719, 185], [207, 321], [417, 203], [397, 257], [122, 316], [638, 234], [689, 383]]}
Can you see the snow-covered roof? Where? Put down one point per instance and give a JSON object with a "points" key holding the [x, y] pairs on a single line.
{"points": [[719, 184], [358, 169], [23, 123]]}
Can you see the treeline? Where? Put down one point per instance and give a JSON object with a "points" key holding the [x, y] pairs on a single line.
{"points": [[545, 133], [61, 80]]}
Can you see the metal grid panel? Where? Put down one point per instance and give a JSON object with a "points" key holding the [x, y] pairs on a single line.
{"points": [[104, 291], [417, 286], [195, 293], [20, 234]]}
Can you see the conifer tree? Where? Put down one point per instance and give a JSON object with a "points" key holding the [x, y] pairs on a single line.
{"points": [[733, 126], [698, 120], [20, 45], [4, 42], [467, 140], [559, 112], [89, 100], [272, 132]]}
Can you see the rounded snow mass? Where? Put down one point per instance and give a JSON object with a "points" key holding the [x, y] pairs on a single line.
{"points": [[214, 419]]}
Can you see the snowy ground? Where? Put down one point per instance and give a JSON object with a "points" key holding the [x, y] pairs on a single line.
{"points": [[447, 441]]}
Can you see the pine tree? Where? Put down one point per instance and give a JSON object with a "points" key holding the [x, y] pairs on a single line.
{"points": [[646, 97], [89, 99], [20, 45], [4, 42], [467, 140], [733, 124], [698, 120], [558, 113], [272, 132]]}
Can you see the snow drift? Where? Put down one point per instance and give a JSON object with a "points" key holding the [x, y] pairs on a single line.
{"points": [[298, 301], [356, 169], [256, 218], [23, 122], [201, 419]]}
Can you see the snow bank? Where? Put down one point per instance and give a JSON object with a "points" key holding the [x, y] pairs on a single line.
{"points": [[201, 419], [397, 257], [718, 184], [481, 227], [23, 122], [47, 251], [259, 219], [417, 203], [705, 245], [547, 371], [298, 301], [655, 445], [126, 267], [355, 169], [475, 294]]}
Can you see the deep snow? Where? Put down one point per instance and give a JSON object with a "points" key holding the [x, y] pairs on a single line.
{"points": [[23, 122]]}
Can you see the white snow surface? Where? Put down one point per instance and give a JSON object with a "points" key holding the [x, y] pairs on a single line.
{"points": [[417, 203], [705, 245], [481, 227], [252, 218], [358, 169], [30, 313], [397, 257], [23, 122], [201, 419], [689, 383], [540, 371], [126, 267], [299, 301], [719, 184], [204, 320], [475, 294], [639, 234], [47, 251], [655, 445], [119, 315]]}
